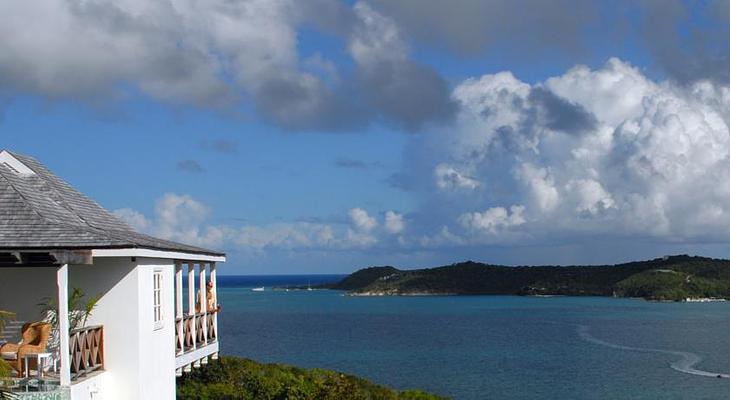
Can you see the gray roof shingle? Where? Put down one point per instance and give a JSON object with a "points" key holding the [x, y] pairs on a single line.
{"points": [[41, 211]]}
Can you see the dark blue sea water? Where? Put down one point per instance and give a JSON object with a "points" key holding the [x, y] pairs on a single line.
{"points": [[486, 347]]}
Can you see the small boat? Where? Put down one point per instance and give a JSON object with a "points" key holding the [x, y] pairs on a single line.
{"points": [[258, 289]]}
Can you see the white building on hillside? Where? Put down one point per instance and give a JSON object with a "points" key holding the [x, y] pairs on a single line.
{"points": [[143, 331]]}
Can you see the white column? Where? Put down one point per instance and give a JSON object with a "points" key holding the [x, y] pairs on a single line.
{"points": [[179, 305], [215, 296], [203, 302], [63, 328], [191, 298]]}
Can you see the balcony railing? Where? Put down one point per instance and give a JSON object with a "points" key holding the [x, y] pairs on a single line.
{"points": [[195, 331], [212, 326], [86, 347]]}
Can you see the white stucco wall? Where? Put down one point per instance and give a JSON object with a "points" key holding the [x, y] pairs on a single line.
{"points": [[139, 360], [117, 281], [21, 289], [157, 350], [91, 388]]}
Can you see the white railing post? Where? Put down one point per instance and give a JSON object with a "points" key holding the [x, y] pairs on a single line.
{"points": [[203, 304], [180, 337], [63, 328], [191, 300], [213, 279]]}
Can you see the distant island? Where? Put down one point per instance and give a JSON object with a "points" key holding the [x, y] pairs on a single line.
{"points": [[670, 278]]}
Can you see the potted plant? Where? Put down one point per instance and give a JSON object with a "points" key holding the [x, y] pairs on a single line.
{"points": [[78, 311], [4, 317]]}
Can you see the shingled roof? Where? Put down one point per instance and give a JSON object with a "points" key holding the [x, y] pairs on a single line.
{"points": [[38, 210]]}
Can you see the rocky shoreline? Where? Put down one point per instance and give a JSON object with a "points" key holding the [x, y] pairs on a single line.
{"points": [[704, 300], [398, 293]]}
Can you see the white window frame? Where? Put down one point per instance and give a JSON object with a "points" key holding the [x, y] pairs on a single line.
{"points": [[158, 316]]}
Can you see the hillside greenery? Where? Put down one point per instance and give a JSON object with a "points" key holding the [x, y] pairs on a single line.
{"points": [[666, 278], [363, 278], [5, 371], [237, 378]]}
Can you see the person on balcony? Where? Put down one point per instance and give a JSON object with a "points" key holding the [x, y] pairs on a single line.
{"points": [[210, 299]]}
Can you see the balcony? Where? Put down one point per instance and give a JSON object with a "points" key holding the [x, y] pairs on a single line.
{"points": [[73, 358], [86, 355], [196, 331]]}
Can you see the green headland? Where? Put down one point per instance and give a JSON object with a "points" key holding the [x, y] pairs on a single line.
{"points": [[670, 278]]}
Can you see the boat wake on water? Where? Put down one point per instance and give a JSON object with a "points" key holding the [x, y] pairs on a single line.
{"points": [[685, 364]]}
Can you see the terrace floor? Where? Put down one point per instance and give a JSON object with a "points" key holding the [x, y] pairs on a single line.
{"points": [[47, 388]]}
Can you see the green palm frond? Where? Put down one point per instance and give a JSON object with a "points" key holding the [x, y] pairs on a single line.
{"points": [[78, 311], [5, 371], [4, 317]]}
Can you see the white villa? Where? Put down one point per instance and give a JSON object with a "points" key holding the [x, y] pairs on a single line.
{"points": [[143, 331]]}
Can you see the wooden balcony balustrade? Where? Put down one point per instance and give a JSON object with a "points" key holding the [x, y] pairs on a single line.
{"points": [[86, 346], [212, 326], [189, 332]]}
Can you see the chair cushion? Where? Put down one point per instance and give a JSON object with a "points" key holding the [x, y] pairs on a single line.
{"points": [[9, 355]]}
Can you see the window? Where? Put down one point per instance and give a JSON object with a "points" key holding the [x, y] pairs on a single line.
{"points": [[157, 298]]}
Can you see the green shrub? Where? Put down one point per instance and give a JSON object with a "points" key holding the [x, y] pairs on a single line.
{"points": [[237, 378]]}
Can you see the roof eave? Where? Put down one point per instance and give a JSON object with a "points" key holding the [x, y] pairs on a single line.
{"points": [[132, 251], [157, 253]]}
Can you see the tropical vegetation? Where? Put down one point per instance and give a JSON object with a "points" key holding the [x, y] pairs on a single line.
{"points": [[4, 317], [79, 310], [5, 369], [667, 278], [237, 378]]}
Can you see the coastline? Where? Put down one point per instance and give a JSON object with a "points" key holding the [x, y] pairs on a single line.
{"points": [[406, 294], [692, 279], [704, 300], [445, 294]]}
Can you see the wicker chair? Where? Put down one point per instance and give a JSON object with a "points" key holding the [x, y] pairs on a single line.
{"points": [[35, 339]]}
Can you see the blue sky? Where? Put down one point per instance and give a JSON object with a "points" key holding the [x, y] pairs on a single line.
{"points": [[328, 136]]}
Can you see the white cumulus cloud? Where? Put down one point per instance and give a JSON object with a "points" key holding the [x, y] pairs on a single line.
{"points": [[133, 218], [599, 152], [448, 177], [394, 222], [591, 153], [362, 220], [184, 219], [493, 219]]}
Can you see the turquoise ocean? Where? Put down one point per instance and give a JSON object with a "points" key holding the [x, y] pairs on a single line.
{"points": [[485, 347]]}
